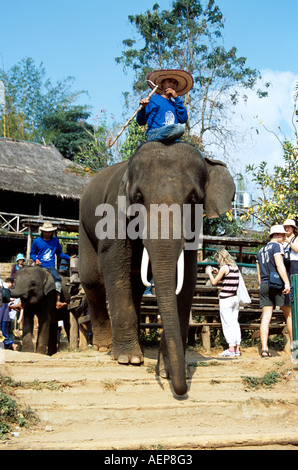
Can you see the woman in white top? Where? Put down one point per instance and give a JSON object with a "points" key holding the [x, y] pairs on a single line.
{"points": [[228, 273], [291, 246], [291, 257]]}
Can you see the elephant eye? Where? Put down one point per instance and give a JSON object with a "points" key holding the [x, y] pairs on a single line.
{"points": [[193, 198], [32, 284], [138, 198]]}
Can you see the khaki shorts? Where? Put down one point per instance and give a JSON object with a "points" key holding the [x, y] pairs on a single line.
{"points": [[273, 297]]}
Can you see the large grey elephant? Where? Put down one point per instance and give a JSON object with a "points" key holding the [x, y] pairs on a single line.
{"points": [[36, 288], [110, 258]]}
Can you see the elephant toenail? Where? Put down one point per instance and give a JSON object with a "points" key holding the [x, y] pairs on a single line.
{"points": [[123, 359], [136, 360]]}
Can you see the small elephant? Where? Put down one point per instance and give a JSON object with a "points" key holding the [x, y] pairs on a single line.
{"points": [[35, 287], [113, 262]]}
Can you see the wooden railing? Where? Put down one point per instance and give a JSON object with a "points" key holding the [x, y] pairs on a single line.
{"points": [[21, 223]]}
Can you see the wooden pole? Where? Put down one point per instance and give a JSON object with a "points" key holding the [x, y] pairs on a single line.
{"points": [[29, 241], [132, 117]]}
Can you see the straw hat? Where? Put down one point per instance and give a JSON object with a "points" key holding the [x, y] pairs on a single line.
{"points": [[290, 222], [277, 229], [184, 79], [47, 227]]}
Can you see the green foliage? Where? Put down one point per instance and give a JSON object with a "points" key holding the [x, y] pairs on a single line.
{"points": [[224, 225], [36, 110], [150, 339], [10, 414], [93, 153], [64, 129], [29, 96], [279, 198], [134, 138], [267, 381]]}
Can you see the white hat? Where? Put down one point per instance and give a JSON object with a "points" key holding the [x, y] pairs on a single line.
{"points": [[290, 222], [277, 229], [47, 227]]}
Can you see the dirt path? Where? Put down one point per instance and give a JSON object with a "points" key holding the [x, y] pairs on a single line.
{"points": [[97, 404]]}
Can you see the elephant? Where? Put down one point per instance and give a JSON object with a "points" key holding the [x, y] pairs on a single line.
{"points": [[113, 265], [35, 287]]}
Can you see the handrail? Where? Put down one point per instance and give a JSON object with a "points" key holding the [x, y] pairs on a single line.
{"points": [[211, 263]]}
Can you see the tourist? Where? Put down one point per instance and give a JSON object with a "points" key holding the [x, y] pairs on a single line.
{"points": [[228, 300]]}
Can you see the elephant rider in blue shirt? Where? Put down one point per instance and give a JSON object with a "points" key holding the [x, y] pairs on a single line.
{"points": [[43, 252], [164, 112]]}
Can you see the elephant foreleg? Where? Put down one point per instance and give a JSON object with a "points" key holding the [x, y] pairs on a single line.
{"points": [[124, 314], [94, 288]]}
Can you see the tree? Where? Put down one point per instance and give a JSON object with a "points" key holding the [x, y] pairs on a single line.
{"points": [[224, 225], [28, 97], [94, 153], [188, 37], [279, 190], [66, 129], [134, 137]]}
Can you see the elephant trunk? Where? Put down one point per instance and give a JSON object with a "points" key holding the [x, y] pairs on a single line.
{"points": [[19, 292], [163, 264]]}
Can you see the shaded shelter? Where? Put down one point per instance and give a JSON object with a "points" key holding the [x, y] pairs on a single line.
{"points": [[36, 183]]}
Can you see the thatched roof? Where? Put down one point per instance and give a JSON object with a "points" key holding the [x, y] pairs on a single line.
{"points": [[38, 169]]}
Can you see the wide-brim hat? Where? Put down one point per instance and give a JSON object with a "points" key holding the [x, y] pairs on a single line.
{"points": [[47, 227], [184, 79], [290, 222], [277, 229]]}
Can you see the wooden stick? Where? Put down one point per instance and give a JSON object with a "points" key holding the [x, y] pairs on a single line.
{"points": [[130, 119]]}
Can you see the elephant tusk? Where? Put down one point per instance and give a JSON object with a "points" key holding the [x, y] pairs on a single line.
{"points": [[144, 268], [180, 272]]}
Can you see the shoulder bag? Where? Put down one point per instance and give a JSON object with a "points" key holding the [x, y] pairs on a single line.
{"points": [[242, 292], [275, 281]]}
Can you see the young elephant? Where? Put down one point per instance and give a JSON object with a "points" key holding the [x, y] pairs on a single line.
{"points": [[35, 287], [110, 256]]}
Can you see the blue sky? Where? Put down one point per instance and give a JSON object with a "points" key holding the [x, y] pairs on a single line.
{"points": [[82, 38]]}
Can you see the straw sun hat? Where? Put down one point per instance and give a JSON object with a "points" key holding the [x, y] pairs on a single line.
{"points": [[47, 227], [184, 79]]}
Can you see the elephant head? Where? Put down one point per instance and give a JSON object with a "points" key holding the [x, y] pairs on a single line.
{"points": [[173, 177], [32, 284]]}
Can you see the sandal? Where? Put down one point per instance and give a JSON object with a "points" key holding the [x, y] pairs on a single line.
{"points": [[265, 353]]}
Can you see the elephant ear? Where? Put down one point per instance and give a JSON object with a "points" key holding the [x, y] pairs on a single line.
{"points": [[49, 283], [219, 189]]}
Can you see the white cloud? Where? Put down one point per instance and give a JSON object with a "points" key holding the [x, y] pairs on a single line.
{"points": [[275, 112]]}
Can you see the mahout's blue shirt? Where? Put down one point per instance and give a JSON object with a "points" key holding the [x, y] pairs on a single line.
{"points": [[162, 112], [45, 251]]}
